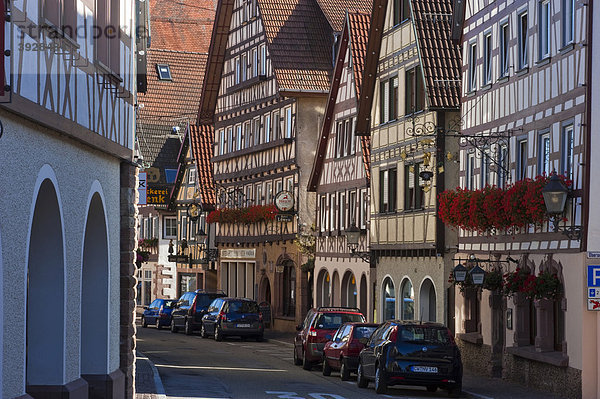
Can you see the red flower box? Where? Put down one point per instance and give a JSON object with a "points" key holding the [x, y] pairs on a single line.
{"points": [[251, 214]]}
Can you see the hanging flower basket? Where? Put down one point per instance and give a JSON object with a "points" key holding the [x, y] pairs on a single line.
{"points": [[492, 209], [516, 281], [545, 286], [493, 281], [251, 214]]}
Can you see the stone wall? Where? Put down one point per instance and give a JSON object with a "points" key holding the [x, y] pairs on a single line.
{"points": [[476, 358]]}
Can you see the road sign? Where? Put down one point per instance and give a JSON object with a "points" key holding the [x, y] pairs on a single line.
{"points": [[593, 289], [593, 304], [593, 254], [142, 188], [593, 276], [594, 293]]}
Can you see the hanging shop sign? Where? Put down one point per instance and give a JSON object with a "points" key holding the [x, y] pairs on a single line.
{"points": [[284, 201], [157, 195]]}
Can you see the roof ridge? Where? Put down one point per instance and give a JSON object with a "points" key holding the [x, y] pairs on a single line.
{"points": [[176, 51]]}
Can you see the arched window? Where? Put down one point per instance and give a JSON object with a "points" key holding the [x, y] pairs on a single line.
{"points": [[389, 300], [427, 301], [326, 290], [349, 292], [407, 294]]}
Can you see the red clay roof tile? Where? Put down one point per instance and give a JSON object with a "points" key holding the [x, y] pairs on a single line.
{"points": [[335, 10]]}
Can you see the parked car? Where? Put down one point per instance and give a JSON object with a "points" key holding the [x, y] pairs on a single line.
{"points": [[233, 317], [190, 309], [319, 326], [411, 353], [158, 313], [341, 353]]}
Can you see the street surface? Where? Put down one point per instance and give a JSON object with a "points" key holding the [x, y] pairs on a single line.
{"points": [[192, 367]]}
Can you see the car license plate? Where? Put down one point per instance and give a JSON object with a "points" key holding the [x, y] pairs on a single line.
{"points": [[243, 326], [424, 369]]}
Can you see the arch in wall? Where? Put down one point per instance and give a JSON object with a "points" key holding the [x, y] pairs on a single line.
{"points": [[335, 289], [364, 296], [45, 285], [388, 299], [427, 301], [95, 277], [323, 288], [265, 290], [349, 290], [407, 300]]}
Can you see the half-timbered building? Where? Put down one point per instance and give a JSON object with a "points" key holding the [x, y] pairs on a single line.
{"points": [[192, 197], [174, 70], [340, 178], [526, 111], [67, 212], [410, 97]]}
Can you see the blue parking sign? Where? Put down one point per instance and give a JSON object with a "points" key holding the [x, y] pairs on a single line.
{"points": [[593, 276]]}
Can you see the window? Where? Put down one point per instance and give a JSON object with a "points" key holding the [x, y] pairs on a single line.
{"points": [[364, 209], [504, 54], [472, 67], [258, 194], [387, 190], [485, 167], [267, 128], [62, 15], [544, 29], [415, 91], [263, 60], [544, 154], [341, 211], [352, 209], [164, 72], [289, 125], [183, 228], [347, 136], [407, 296], [353, 136], [256, 130], [568, 146], [278, 186], [338, 138], [248, 196], [276, 125], [222, 142], [269, 193], [487, 60], [522, 160], [523, 37], [254, 62], [247, 134], [107, 20], [568, 21], [323, 213], [192, 176], [502, 166], [229, 139], [388, 97], [470, 171], [238, 138], [237, 70], [244, 66], [413, 188], [401, 11], [332, 223], [389, 300]]}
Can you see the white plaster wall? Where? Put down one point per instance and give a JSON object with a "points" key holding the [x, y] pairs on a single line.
{"points": [[24, 149]]}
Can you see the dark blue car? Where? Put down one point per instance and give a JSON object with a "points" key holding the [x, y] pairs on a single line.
{"points": [[158, 313]]}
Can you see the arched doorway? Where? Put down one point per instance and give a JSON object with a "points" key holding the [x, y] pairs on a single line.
{"points": [[288, 289], [94, 291], [45, 291], [323, 288], [335, 289], [265, 290], [407, 304], [427, 301], [349, 291], [363, 296], [389, 299]]}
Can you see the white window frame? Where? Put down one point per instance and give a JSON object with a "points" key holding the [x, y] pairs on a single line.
{"points": [[568, 149], [238, 137], [167, 228], [544, 27], [332, 224], [258, 194], [254, 62], [487, 58], [268, 127], [544, 151], [256, 130], [192, 176], [501, 171], [341, 210], [263, 59], [323, 213], [522, 156], [523, 41], [222, 142], [289, 122], [472, 69], [568, 22], [504, 48], [237, 70], [470, 172]]}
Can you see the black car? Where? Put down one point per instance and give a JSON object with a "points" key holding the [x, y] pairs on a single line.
{"points": [[411, 353], [190, 308], [233, 316]]}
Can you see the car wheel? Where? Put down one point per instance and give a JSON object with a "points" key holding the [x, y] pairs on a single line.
{"points": [[361, 381], [306, 365], [144, 322], [297, 360], [203, 333], [218, 334], [326, 368], [158, 325], [188, 327], [344, 371], [259, 338], [455, 391], [431, 388], [380, 380], [173, 326]]}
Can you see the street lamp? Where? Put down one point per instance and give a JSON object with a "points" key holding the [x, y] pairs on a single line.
{"points": [[555, 194], [477, 275], [460, 273], [201, 237], [352, 234]]}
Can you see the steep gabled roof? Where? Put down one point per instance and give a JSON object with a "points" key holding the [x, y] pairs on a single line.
{"points": [[300, 44], [440, 56], [335, 10], [199, 140], [354, 34]]}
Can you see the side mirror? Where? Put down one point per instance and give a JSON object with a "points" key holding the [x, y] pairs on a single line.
{"points": [[299, 327], [328, 337], [146, 308], [363, 340]]}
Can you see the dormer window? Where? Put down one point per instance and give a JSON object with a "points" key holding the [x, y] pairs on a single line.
{"points": [[164, 72]]}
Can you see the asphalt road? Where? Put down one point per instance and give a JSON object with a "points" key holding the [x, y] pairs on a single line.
{"points": [[192, 367]]}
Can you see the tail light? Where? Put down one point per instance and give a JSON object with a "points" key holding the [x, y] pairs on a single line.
{"points": [[260, 316], [222, 316], [393, 334], [312, 332], [194, 306]]}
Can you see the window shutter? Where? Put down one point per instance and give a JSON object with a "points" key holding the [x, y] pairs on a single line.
{"points": [[418, 188], [408, 109], [381, 191], [420, 90], [392, 190], [114, 22], [393, 98]]}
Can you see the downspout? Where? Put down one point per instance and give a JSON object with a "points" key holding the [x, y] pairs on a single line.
{"points": [[588, 121]]}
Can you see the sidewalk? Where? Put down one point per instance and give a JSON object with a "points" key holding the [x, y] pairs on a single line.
{"points": [[149, 386]]}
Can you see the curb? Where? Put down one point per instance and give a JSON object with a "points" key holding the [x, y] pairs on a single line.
{"points": [[160, 389]]}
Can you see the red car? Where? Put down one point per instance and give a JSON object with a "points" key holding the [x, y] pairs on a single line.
{"points": [[341, 353], [319, 326]]}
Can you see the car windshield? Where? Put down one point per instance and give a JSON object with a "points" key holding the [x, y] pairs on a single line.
{"points": [[243, 307], [204, 300], [430, 335], [169, 304], [333, 321], [363, 332]]}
